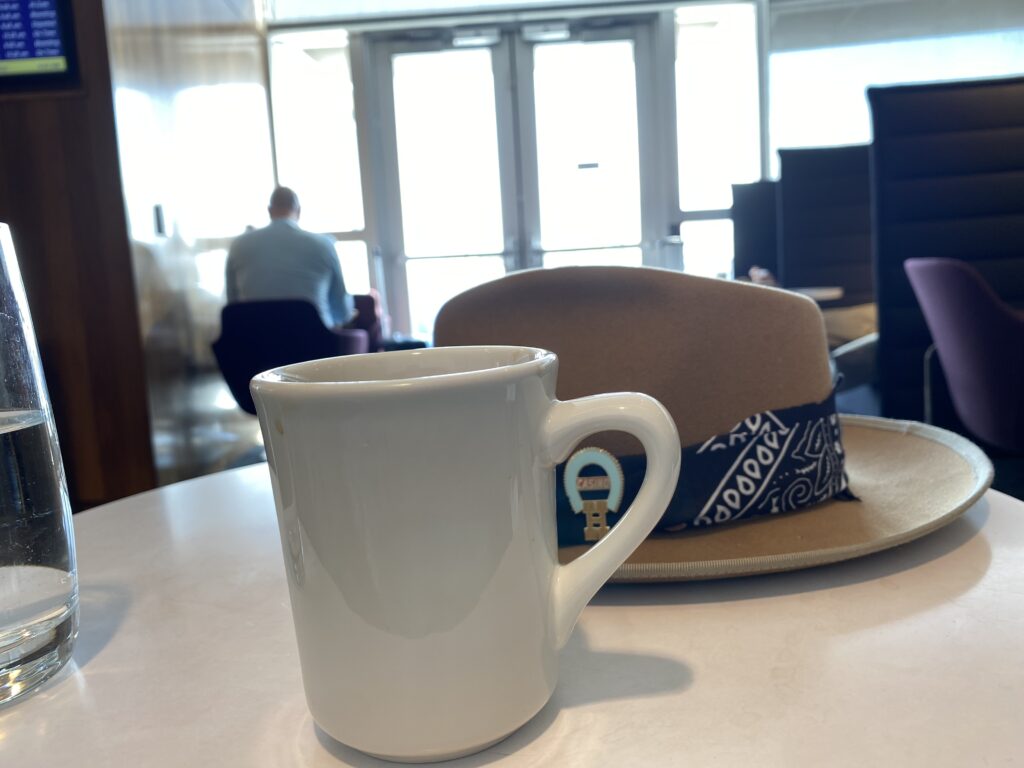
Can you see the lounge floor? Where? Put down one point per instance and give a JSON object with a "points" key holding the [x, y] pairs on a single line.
{"points": [[198, 429]]}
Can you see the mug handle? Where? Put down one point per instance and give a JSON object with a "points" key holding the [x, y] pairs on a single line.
{"points": [[568, 422]]}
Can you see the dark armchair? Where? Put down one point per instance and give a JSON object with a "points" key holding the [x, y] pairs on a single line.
{"points": [[979, 339], [258, 335]]}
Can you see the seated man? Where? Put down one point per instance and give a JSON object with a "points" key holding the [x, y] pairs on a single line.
{"points": [[282, 261]]}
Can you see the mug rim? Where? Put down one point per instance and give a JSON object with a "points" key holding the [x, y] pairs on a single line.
{"points": [[285, 380]]}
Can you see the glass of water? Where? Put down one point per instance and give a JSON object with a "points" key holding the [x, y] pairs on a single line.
{"points": [[38, 581]]}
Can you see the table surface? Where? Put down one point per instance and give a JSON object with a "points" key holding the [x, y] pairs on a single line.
{"points": [[187, 657]]}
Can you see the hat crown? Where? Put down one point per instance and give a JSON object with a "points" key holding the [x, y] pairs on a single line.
{"points": [[712, 351]]}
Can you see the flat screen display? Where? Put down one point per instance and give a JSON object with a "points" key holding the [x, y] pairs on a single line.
{"points": [[36, 44]]}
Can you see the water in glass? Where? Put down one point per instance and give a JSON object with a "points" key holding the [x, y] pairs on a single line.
{"points": [[38, 590]]}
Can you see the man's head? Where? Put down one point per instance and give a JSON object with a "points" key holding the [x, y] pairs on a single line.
{"points": [[284, 204]]}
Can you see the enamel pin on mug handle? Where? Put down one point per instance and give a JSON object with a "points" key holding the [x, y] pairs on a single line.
{"points": [[594, 511]]}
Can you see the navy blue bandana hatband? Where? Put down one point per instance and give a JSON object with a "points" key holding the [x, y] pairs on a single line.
{"points": [[770, 463]]}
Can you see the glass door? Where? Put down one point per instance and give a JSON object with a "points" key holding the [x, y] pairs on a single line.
{"points": [[513, 147], [449, 226], [446, 136], [587, 171]]}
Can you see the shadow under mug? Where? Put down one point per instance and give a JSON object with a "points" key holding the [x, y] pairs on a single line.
{"points": [[415, 495]]}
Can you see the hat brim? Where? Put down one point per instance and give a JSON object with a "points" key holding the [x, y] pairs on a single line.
{"points": [[910, 478]]}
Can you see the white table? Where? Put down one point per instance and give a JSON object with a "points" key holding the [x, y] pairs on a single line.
{"points": [[186, 657]]}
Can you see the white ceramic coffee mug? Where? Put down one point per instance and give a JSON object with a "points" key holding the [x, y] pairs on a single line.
{"points": [[415, 494]]}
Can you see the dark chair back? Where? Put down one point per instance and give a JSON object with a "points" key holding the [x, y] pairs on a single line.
{"points": [[824, 221], [947, 177], [754, 229], [980, 343], [256, 336]]}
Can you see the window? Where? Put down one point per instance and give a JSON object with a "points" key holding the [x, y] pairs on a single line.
{"points": [[718, 126], [433, 281], [355, 268], [598, 257], [222, 152], [142, 161], [818, 95], [588, 164], [717, 105], [707, 247], [210, 271], [447, 152], [513, 150], [315, 127]]}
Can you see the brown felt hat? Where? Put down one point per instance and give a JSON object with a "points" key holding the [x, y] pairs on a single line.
{"points": [[715, 352]]}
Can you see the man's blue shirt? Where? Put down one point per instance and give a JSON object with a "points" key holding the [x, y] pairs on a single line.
{"points": [[282, 261]]}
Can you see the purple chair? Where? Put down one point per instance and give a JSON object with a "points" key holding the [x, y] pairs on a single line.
{"points": [[256, 336], [370, 319], [980, 343]]}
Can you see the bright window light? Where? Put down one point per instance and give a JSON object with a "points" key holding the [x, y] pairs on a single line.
{"points": [[604, 257], [587, 153], [222, 159], [708, 247], [818, 96], [433, 281], [717, 104], [354, 265], [315, 127], [142, 161], [448, 153], [210, 266]]}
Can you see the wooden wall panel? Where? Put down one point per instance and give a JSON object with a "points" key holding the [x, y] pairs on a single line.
{"points": [[60, 191]]}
